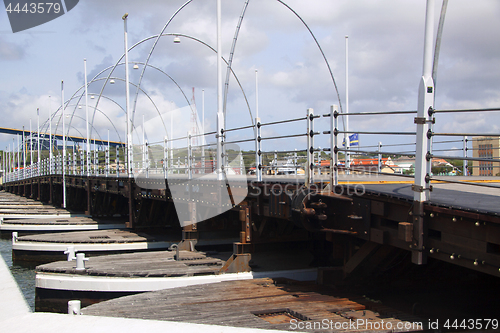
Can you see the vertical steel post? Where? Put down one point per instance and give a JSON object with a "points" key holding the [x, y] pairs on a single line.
{"points": [[190, 157], [107, 158], [127, 102], [421, 185], [346, 135], [117, 161], [465, 164], [18, 158], [258, 151], [64, 145], [379, 157], [38, 139], [87, 117], [220, 115], [23, 142], [334, 132], [165, 157], [50, 136], [31, 150], [203, 141], [82, 162], [171, 140], [309, 169], [334, 125]]}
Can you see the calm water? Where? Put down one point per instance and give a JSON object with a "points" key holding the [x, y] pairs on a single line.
{"points": [[25, 277]]}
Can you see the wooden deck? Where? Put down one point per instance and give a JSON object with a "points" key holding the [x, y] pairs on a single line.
{"points": [[141, 264], [262, 303], [59, 221], [91, 237]]}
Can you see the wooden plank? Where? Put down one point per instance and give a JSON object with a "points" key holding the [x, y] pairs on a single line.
{"points": [[240, 303]]}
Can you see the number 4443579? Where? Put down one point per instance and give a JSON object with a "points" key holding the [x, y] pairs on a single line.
{"points": [[34, 8], [472, 324]]}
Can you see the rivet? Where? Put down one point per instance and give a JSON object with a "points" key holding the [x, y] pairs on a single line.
{"points": [[452, 257], [431, 250], [454, 219], [476, 262], [477, 224], [431, 214]]}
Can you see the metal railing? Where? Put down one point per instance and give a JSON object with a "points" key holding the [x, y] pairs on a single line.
{"points": [[194, 155]]}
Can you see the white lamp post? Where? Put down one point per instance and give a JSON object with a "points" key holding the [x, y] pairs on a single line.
{"points": [[64, 145], [87, 116], [220, 116], [127, 100]]}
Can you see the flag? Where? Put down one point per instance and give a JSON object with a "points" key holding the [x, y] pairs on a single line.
{"points": [[353, 140]]}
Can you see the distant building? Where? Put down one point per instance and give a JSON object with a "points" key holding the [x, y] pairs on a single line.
{"points": [[488, 148], [366, 165]]}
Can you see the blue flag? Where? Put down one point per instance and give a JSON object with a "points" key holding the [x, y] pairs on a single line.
{"points": [[353, 140]]}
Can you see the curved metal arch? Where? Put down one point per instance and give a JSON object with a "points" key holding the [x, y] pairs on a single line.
{"points": [[147, 60], [211, 48], [153, 48], [67, 133], [226, 61], [54, 115], [120, 79], [108, 98], [149, 65], [320, 49], [96, 78], [230, 61]]}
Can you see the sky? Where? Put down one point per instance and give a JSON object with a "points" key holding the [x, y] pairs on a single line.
{"points": [[385, 65]]}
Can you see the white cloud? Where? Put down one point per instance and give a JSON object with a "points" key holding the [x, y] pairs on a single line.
{"points": [[385, 59]]}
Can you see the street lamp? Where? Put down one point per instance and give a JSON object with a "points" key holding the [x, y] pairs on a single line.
{"points": [[127, 97]]}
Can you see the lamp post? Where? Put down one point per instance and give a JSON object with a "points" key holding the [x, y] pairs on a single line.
{"points": [[38, 139], [23, 142], [421, 186], [127, 99], [64, 146], [346, 135], [31, 147], [87, 116], [50, 136], [220, 116]]}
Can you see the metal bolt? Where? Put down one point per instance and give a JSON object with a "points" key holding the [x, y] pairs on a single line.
{"points": [[476, 262], [454, 219], [431, 214], [477, 224], [452, 257], [431, 250]]}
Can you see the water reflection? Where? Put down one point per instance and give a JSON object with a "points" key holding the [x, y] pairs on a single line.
{"points": [[25, 277]]}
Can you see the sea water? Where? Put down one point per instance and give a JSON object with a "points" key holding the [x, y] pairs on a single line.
{"points": [[25, 277]]}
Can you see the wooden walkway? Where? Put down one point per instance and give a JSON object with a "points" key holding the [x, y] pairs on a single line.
{"points": [[141, 264], [59, 221], [11, 204], [262, 303], [91, 237]]}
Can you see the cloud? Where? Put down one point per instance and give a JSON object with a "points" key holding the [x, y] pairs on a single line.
{"points": [[10, 51], [385, 58]]}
